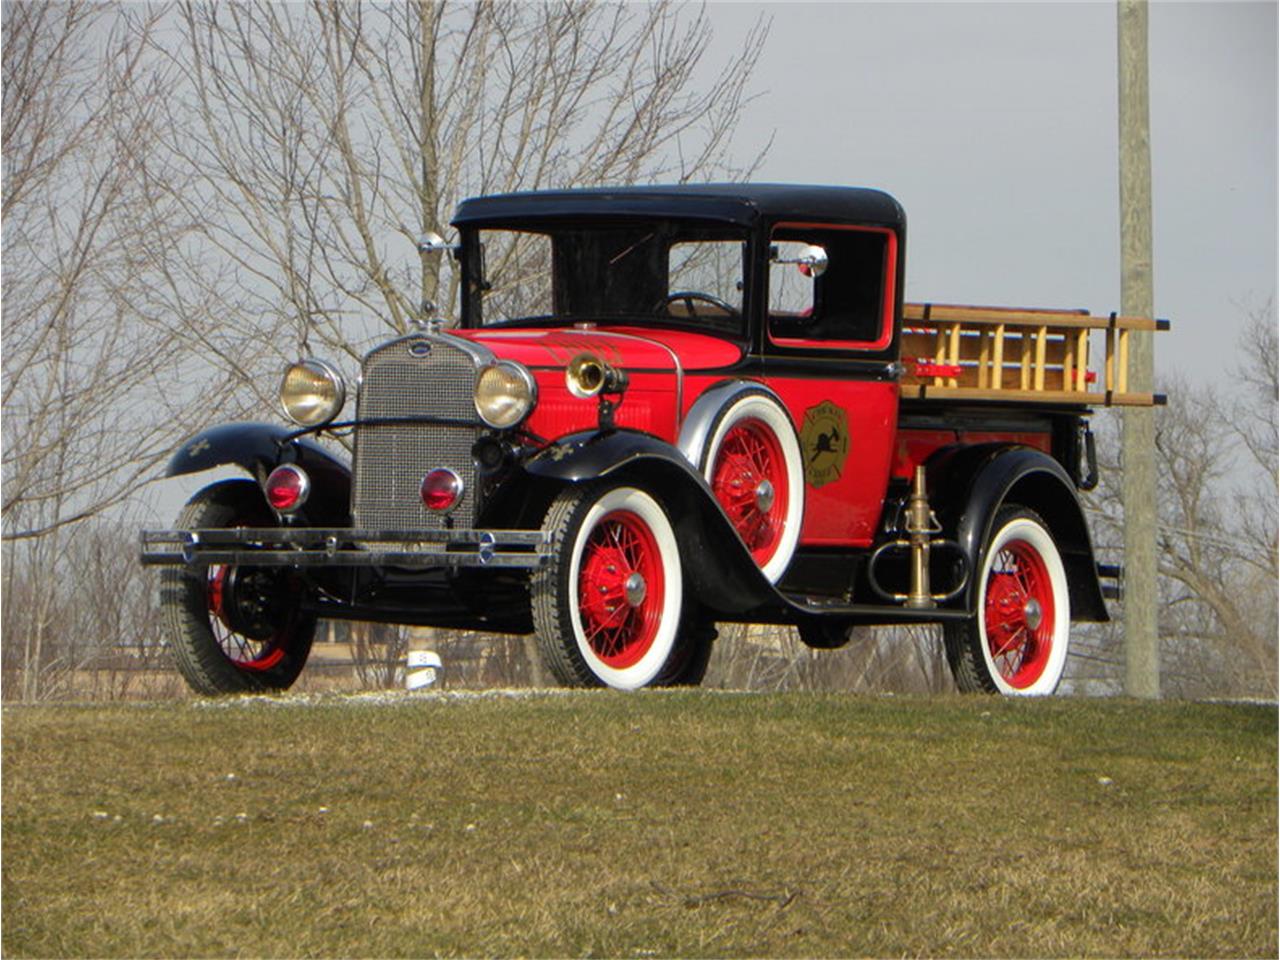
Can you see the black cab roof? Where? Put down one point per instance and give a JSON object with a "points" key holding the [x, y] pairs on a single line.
{"points": [[738, 203]]}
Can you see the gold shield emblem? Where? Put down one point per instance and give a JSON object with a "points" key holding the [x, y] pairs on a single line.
{"points": [[824, 438]]}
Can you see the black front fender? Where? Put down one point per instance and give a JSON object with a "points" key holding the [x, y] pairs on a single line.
{"points": [[595, 453], [990, 476], [258, 448], [718, 566]]}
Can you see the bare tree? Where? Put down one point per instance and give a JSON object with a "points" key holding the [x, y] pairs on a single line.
{"points": [[84, 352], [87, 627], [1216, 454], [89, 354], [329, 137], [378, 654], [898, 660]]}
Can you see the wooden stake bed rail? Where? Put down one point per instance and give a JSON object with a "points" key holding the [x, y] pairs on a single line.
{"points": [[1019, 355]]}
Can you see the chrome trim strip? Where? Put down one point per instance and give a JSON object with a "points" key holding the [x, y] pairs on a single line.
{"points": [[317, 546], [353, 558], [480, 355], [318, 535]]}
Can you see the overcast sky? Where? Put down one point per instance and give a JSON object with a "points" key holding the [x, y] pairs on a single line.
{"points": [[995, 126]]}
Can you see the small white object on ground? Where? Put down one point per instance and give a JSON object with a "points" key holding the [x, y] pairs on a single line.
{"points": [[424, 667]]}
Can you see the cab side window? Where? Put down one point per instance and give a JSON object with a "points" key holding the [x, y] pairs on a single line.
{"points": [[845, 306]]}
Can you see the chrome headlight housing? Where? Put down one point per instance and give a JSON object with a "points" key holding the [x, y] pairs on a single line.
{"points": [[312, 393], [505, 394]]}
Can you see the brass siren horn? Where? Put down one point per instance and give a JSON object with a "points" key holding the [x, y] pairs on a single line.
{"points": [[587, 376]]}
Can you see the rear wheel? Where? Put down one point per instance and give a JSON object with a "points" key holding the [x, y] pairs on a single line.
{"points": [[1017, 643], [609, 604], [754, 468], [234, 628]]}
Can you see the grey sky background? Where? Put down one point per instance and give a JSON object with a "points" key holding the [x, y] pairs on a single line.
{"points": [[995, 126]]}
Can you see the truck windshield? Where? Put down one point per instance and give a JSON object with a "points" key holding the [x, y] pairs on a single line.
{"points": [[633, 272]]}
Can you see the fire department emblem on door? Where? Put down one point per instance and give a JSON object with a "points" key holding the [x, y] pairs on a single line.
{"points": [[824, 438]]}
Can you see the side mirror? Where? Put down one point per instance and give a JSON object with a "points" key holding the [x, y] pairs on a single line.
{"points": [[811, 259], [432, 242], [429, 311]]}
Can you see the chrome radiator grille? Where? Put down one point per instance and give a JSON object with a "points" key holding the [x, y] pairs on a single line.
{"points": [[391, 459]]}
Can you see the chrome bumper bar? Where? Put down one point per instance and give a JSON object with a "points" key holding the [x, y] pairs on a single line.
{"points": [[344, 547]]}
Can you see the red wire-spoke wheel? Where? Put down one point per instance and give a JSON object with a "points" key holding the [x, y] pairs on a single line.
{"points": [[608, 605], [749, 478], [234, 629], [620, 589], [1017, 644], [754, 468], [1019, 614], [262, 646]]}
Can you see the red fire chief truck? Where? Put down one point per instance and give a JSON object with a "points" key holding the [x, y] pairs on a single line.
{"points": [[661, 408]]}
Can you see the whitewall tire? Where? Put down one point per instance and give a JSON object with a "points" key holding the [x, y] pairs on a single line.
{"points": [[607, 608], [1018, 642]]}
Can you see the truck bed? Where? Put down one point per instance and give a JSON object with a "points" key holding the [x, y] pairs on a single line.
{"points": [[1016, 355]]}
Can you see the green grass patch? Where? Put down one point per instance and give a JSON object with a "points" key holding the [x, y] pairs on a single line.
{"points": [[657, 824]]}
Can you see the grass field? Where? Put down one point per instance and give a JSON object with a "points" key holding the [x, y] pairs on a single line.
{"points": [[640, 825]]}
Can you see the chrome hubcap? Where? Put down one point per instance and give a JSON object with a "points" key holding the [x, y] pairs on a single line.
{"points": [[764, 496], [634, 589], [1033, 613]]}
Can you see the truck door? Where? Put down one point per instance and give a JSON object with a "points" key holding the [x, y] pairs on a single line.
{"points": [[829, 345]]}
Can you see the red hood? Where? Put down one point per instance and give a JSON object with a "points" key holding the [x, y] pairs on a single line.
{"points": [[630, 348]]}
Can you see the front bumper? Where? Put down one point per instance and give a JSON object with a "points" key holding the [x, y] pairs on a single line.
{"points": [[345, 547]]}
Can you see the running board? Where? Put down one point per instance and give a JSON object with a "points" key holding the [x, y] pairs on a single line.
{"points": [[869, 614]]}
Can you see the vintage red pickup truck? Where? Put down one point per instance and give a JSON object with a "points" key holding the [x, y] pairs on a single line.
{"points": [[661, 408]]}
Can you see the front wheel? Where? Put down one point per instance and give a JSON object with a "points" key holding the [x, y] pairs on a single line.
{"points": [[234, 629], [609, 604], [1017, 643]]}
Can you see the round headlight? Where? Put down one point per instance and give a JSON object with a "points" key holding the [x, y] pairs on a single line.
{"points": [[312, 393], [505, 393]]}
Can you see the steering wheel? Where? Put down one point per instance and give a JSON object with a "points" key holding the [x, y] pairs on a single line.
{"points": [[689, 296]]}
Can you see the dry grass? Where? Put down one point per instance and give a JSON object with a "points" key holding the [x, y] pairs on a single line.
{"points": [[644, 825]]}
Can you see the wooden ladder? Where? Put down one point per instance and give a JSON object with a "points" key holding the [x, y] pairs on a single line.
{"points": [[1015, 354]]}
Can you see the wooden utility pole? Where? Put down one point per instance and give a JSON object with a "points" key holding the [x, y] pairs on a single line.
{"points": [[1141, 640]]}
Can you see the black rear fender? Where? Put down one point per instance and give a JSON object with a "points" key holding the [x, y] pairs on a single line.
{"points": [[970, 484], [718, 566], [258, 448]]}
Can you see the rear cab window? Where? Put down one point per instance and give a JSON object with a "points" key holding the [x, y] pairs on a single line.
{"points": [[849, 306]]}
